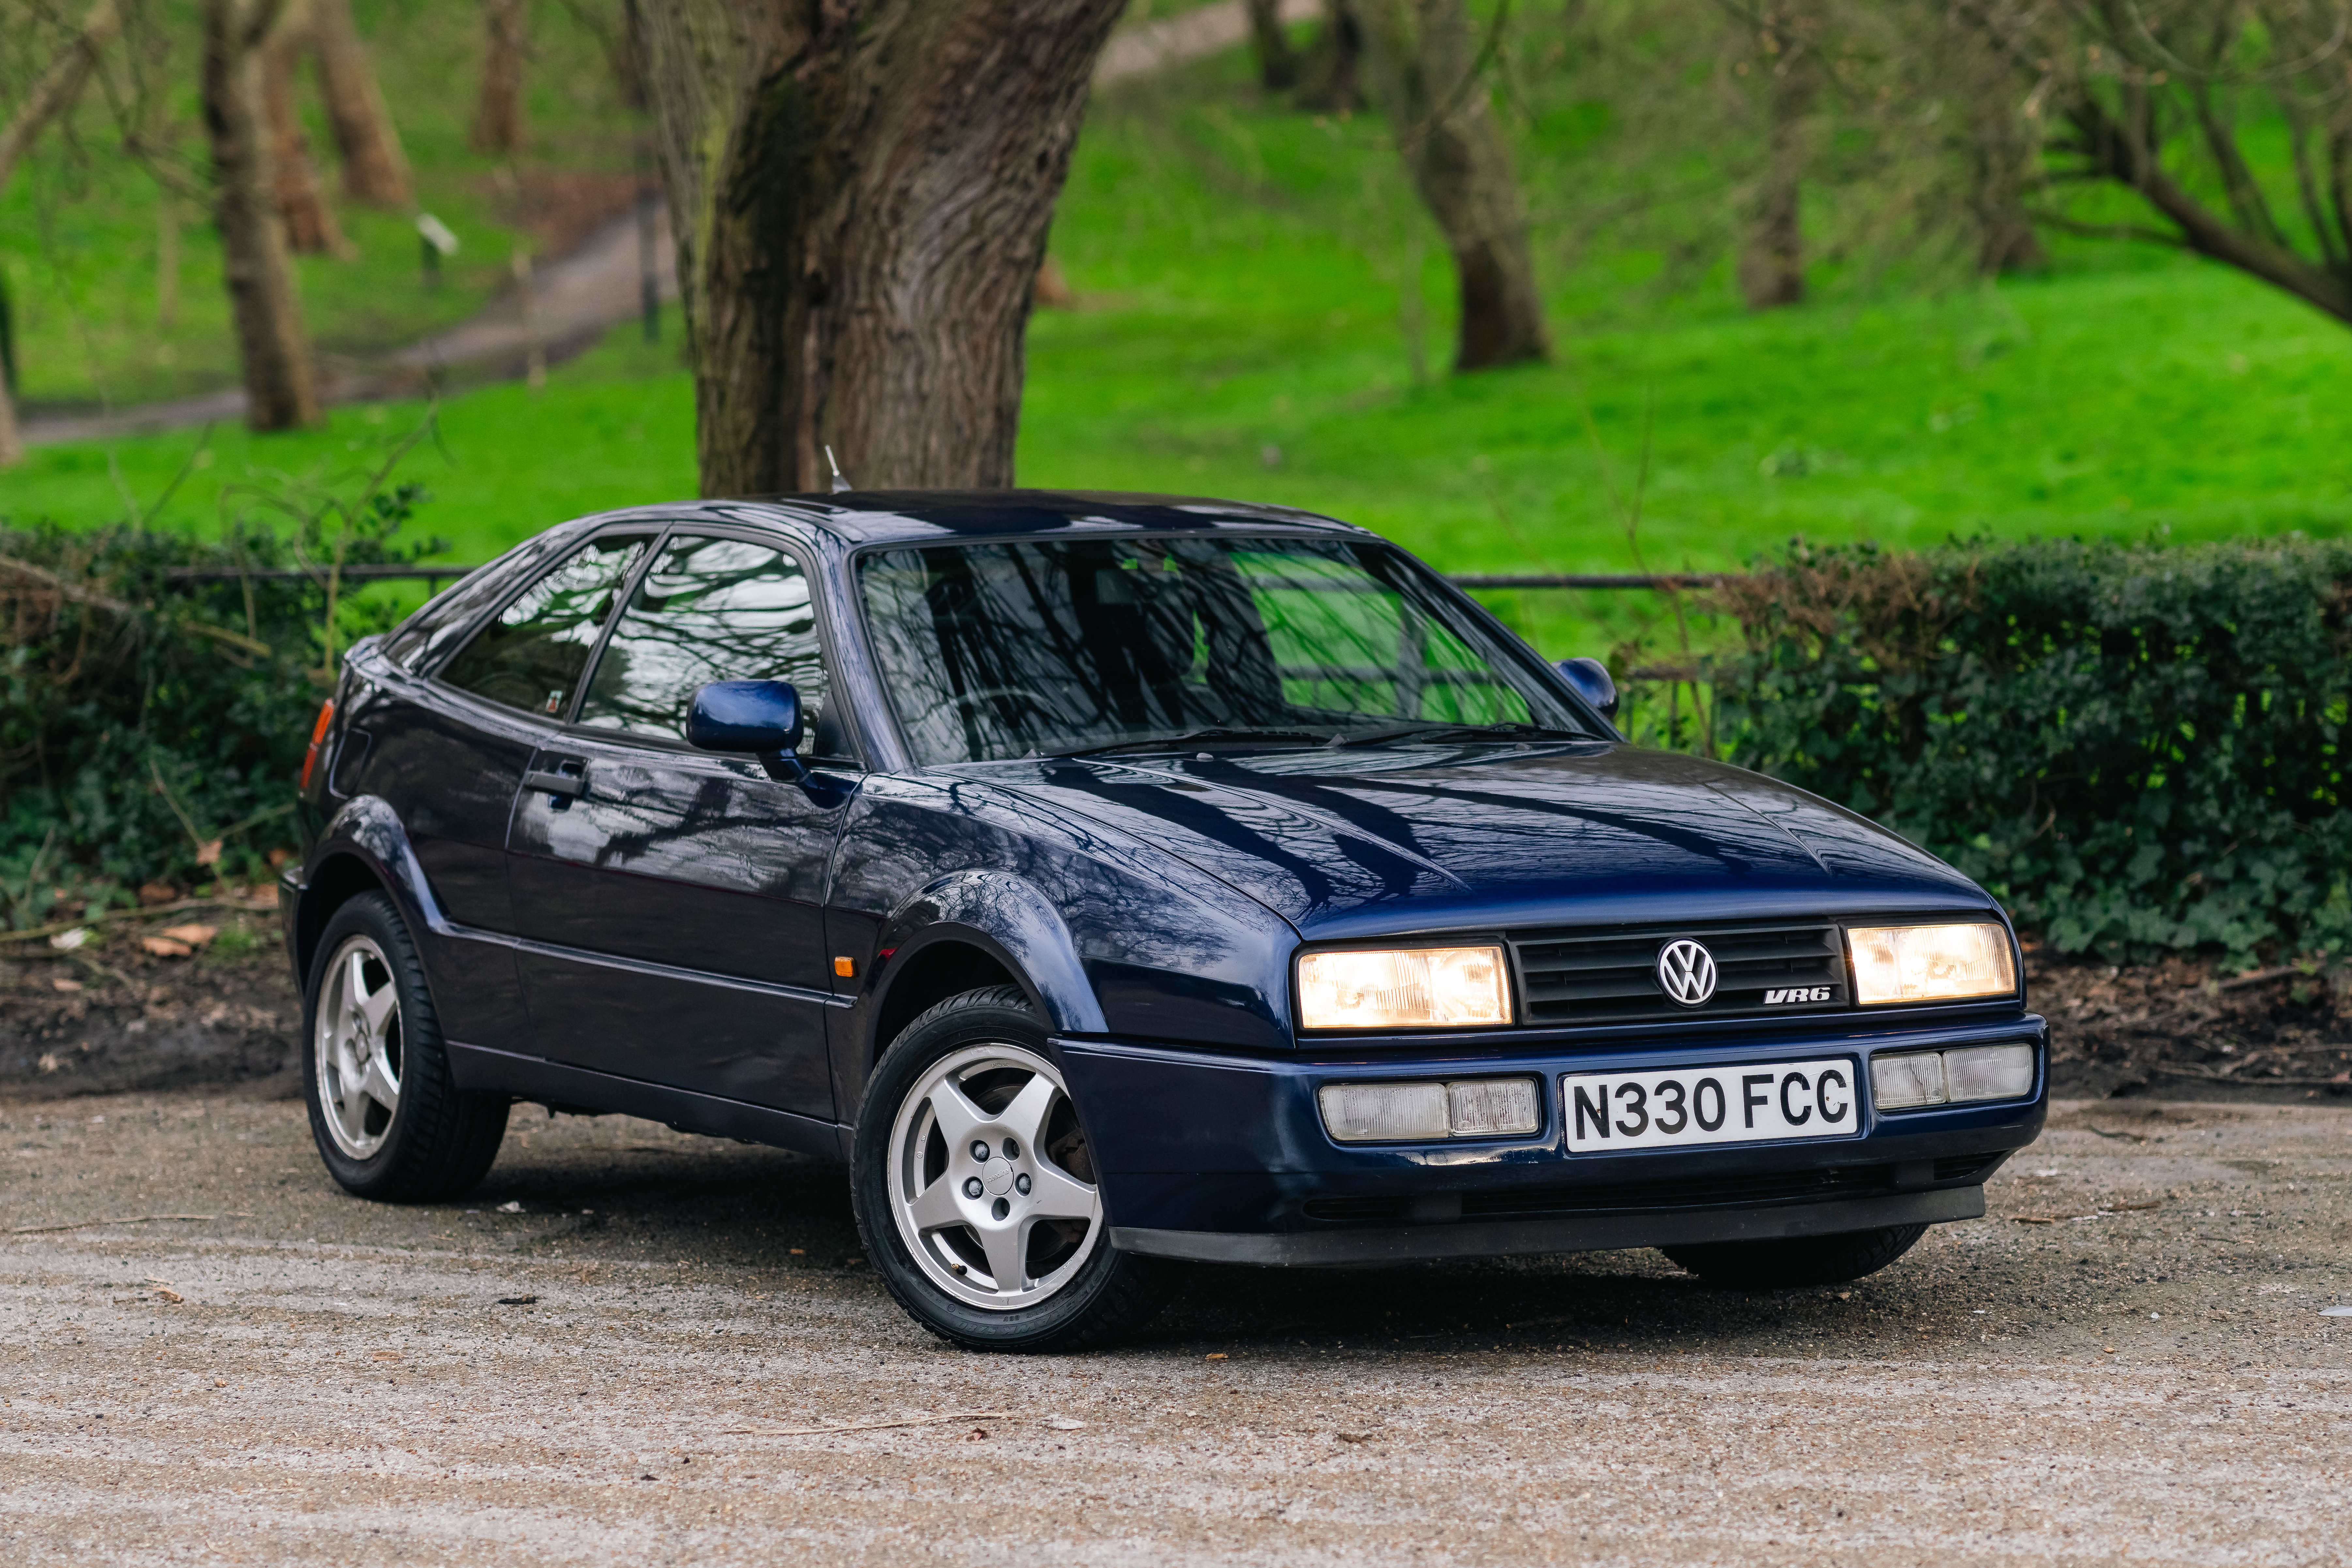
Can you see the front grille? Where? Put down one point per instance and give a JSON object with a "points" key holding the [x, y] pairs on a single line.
{"points": [[1597, 977]]}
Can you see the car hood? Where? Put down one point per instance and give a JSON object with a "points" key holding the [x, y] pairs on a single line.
{"points": [[1362, 843]]}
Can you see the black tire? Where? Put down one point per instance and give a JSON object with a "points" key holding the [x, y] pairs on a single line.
{"points": [[1793, 1262], [1111, 1293], [438, 1143]]}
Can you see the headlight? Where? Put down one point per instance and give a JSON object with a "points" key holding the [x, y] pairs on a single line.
{"points": [[1425, 1112], [1408, 988], [1930, 963]]}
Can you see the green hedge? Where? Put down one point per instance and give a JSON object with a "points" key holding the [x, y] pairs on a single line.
{"points": [[2137, 749], [152, 728]]}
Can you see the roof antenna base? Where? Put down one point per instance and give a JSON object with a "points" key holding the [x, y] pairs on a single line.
{"points": [[840, 483]]}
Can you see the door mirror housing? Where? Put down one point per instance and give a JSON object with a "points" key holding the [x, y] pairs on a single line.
{"points": [[758, 717], [1591, 679]]}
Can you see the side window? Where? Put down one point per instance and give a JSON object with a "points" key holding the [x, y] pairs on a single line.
{"points": [[712, 609], [531, 656]]}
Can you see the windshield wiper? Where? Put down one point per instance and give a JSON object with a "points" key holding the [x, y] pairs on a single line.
{"points": [[1510, 731], [1193, 737]]}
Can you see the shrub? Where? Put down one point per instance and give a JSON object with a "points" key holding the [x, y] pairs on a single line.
{"points": [[2135, 748], [152, 727]]}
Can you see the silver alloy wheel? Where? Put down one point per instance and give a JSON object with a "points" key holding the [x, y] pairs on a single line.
{"points": [[359, 1047], [978, 1185]]}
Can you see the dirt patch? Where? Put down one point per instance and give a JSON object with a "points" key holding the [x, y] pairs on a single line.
{"points": [[110, 1016], [2183, 1029]]}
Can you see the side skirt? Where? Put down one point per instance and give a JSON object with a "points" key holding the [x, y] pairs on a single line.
{"points": [[1594, 1233], [483, 1070]]}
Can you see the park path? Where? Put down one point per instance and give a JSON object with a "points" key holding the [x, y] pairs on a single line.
{"points": [[596, 285]]}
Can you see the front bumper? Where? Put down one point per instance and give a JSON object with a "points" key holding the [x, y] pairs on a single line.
{"points": [[1225, 1158]]}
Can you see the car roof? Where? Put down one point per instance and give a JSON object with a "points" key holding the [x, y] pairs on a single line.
{"points": [[864, 517]]}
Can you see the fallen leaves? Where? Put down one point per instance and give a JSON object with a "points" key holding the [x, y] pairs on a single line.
{"points": [[178, 941]]}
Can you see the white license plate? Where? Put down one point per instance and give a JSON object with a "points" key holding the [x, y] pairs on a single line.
{"points": [[1756, 1102]]}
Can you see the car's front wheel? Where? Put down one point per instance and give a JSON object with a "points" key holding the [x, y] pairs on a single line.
{"points": [[1795, 1261], [976, 1191], [385, 1112]]}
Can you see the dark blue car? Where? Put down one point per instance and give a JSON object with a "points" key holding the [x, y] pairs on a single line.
{"points": [[1117, 880]]}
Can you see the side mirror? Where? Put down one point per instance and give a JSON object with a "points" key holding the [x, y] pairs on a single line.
{"points": [[762, 717], [1591, 679]]}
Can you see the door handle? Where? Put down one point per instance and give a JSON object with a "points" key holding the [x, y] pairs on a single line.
{"points": [[569, 784]]}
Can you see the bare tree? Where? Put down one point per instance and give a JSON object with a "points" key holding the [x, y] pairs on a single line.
{"points": [[375, 169], [2152, 97], [279, 385], [303, 207], [1277, 62], [860, 194], [1327, 75], [50, 95], [1772, 248], [497, 115], [1426, 76]]}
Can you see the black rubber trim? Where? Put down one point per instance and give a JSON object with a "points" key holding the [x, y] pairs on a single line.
{"points": [[484, 1068], [1592, 1233]]}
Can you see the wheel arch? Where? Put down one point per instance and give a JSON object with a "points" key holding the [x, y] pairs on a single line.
{"points": [[971, 930], [334, 882], [364, 849]]}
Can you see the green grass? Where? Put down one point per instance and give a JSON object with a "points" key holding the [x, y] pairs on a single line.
{"points": [[1243, 331], [80, 246]]}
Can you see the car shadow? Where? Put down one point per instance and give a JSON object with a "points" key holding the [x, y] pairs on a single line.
{"points": [[771, 1211]]}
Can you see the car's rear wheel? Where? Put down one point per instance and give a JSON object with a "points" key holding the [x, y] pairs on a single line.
{"points": [[976, 1191], [1799, 1260], [385, 1113]]}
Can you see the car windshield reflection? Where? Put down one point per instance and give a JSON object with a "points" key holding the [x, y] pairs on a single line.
{"points": [[1065, 647]]}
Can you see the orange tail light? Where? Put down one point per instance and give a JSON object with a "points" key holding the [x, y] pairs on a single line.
{"points": [[318, 735]]}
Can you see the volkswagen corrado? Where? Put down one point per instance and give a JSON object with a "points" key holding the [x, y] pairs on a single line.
{"points": [[1117, 881]]}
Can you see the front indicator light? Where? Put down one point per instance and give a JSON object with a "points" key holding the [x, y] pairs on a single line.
{"points": [[1426, 1112], [1404, 988], [1915, 1078], [1931, 964]]}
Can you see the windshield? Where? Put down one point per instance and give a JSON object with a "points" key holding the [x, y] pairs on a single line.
{"points": [[1049, 647]]}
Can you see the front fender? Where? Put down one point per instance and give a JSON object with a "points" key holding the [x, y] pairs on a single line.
{"points": [[1016, 924]]}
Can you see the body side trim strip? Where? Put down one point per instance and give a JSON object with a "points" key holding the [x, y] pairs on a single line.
{"points": [[640, 966]]}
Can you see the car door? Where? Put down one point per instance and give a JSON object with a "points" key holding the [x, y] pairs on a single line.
{"points": [[449, 754], [673, 901]]}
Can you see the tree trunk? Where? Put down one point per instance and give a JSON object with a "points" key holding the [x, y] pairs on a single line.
{"points": [[1999, 156], [375, 170], [52, 93], [1327, 75], [1277, 62], [1424, 59], [1772, 253], [310, 226], [12, 444], [280, 390], [860, 194], [498, 116]]}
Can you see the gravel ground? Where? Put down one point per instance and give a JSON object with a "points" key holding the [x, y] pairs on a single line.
{"points": [[619, 1348]]}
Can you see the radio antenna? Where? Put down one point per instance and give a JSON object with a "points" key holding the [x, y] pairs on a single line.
{"points": [[839, 482]]}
